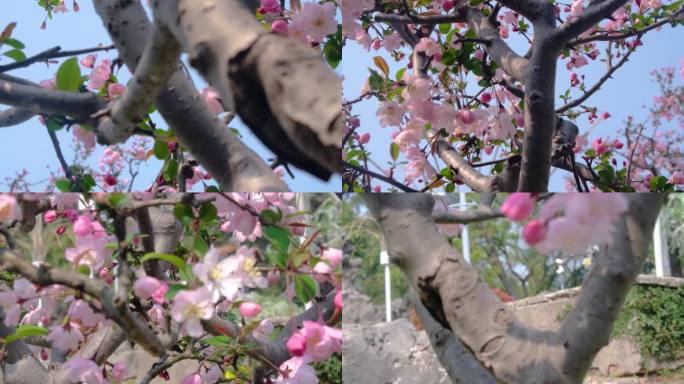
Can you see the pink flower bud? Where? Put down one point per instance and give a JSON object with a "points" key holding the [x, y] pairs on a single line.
{"points": [[83, 226], [605, 115], [280, 27], [534, 232], [273, 277], [71, 214], [119, 371], [193, 378], [145, 286], [50, 216], [296, 344], [518, 206], [486, 97], [364, 138], [60, 230], [466, 115], [43, 354], [250, 309], [332, 256], [338, 300]]}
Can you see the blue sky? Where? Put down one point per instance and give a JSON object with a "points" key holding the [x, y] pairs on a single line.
{"points": [[626, 94], [27, 146]]}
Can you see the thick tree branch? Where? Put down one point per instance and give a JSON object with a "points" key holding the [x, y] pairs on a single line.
{"points": [[531, 9], [512, 63], [14, 116], [482, 213], [471, 177], [591, 16], [284, 91], [46, 101], [45, 275], [587, 328], [228, 160], [157, 64]]}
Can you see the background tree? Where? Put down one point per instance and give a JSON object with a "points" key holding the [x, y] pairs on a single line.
{"points": [[470, 106], [246, 285], [498, 346], [284, 89]]}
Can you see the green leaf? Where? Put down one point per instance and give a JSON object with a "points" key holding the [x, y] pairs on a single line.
{"points": [[216, 340], [161, 150], [305, 288], [400, 74], [208, 212], [394, 151], [182, 211], [279, 237], [63, 185], [26, 330], [69, 75], [170, 170], [270, 216], [200, 246], [375, 81], [16, 55], [173, 289], [116, 199], [173, 259], [14, 43], [53, 124]]}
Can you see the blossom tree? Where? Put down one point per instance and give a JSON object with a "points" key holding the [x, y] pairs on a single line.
{"points": [[271, 66], [184, 277], [467, 106], [477, 338]]}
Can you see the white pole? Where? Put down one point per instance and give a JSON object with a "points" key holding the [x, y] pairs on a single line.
{"points": [[384, 260], [463, 205], [662, 259]]}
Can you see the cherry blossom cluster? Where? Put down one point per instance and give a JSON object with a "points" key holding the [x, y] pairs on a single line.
{"points": [[221, 259], [446, 87], [567, 222]]}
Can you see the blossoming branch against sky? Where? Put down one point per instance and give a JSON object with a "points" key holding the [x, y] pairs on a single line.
{"points": [[454, 87], [208, 292], [28, 160]]}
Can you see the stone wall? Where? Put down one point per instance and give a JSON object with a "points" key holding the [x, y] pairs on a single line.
{"points": [[397, 352]]}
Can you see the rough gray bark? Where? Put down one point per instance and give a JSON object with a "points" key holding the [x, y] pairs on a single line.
{"points": [[506, 181], [228, 160], [461, 301], [14, 116], [283, 90]]}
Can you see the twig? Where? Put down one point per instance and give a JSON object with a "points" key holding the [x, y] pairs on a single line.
{"points": [[51, 53], [60, 155], [378, 176]]}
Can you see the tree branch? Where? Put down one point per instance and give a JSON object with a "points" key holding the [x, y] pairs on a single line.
{"points": [[512, 63], [283, 90], [158, 62], [381, 177], [482, 213], [591, 16], [228, 160], [584, 332], [51, 53], [46, 101], [14, 116]]}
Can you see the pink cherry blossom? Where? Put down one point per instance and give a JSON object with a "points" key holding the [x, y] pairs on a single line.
{"points": [[220, 277], [321, 341], [338, 300], [146, 286], [280, 26], [88, 61], [50, 216], [193, 378], [429, 46], [62, 201], [250, 309], [119, 372], [65, 337], [22, 296], [189, 307], [90, 250], [99, 75], [85, 371], [115, 90], [270, 6], [296, 344], [390, 114], [333, 256], [534, 232], [518, 206], [315, 21], [297, 371], [322, 268], [9, 209], [88, 138]]}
